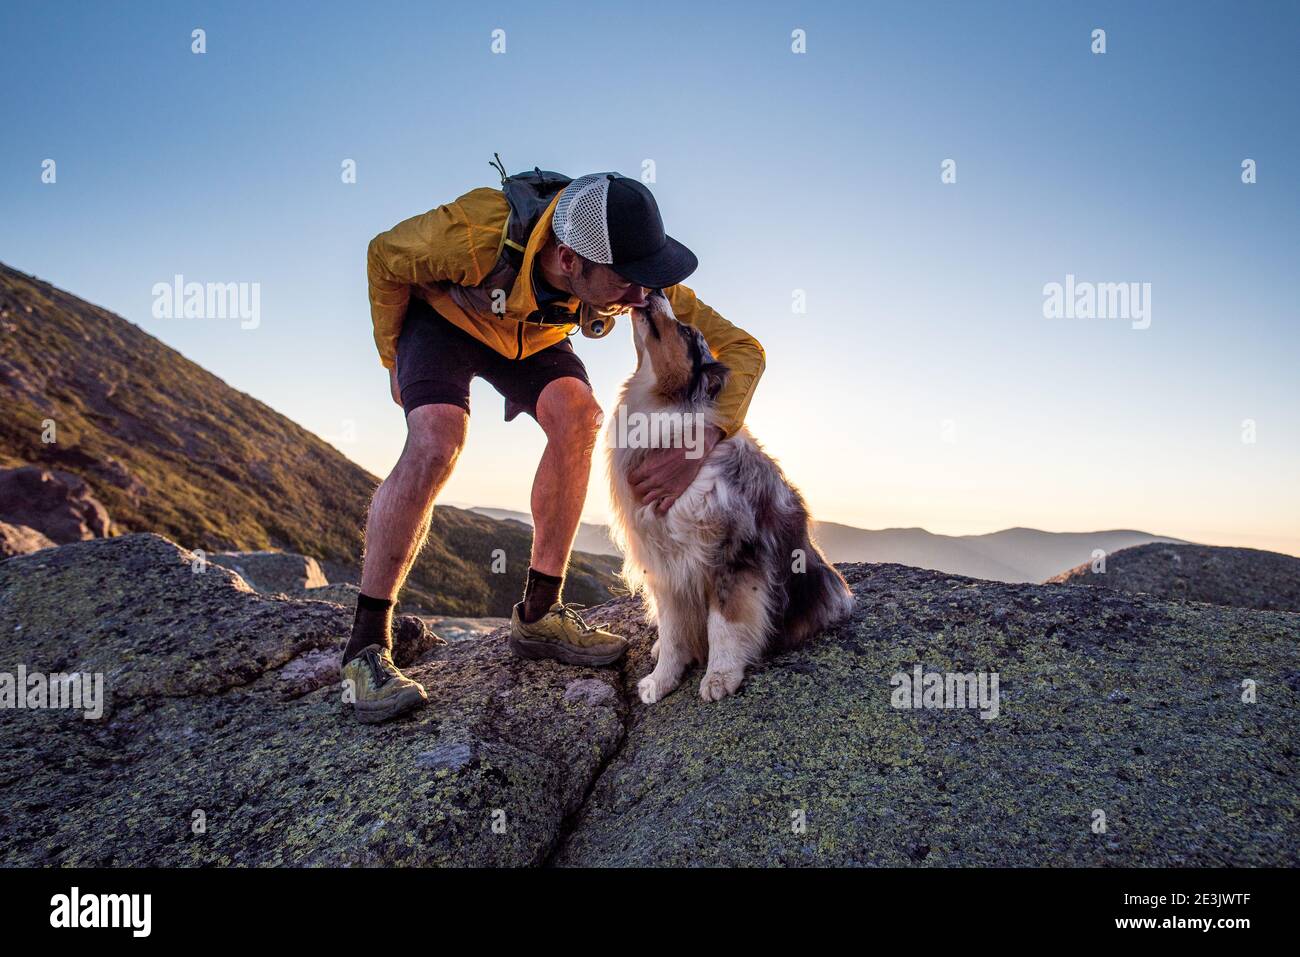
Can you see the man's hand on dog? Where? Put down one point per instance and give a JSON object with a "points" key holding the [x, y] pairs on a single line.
{"points": [[666, 473]]}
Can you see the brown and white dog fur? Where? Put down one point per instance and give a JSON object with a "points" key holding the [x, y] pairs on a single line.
{"points": [[730, 572]]}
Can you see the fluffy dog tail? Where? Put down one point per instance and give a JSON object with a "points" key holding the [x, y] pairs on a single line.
{"points": [[816, 599]]}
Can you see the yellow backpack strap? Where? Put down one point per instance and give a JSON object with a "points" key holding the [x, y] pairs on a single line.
{"points": [[505, 237]]}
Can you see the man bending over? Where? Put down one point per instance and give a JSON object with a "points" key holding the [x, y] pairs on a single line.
{"points": [[492, 285]]}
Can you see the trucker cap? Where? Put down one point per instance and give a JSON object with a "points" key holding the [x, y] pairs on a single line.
{"points": [[614, 220]]}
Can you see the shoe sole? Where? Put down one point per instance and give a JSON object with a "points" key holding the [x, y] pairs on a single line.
{"points": [[535, 650], [374, 712]]}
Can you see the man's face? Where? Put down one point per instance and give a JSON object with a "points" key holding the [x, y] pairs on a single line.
{"points": [[598, 285]]}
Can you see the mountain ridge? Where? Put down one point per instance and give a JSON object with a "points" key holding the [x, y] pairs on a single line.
{"points": [[1017, 554]]}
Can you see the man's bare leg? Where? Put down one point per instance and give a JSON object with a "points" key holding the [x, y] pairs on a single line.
{"points": [[402, 506], [399, 517], [570, 416]]}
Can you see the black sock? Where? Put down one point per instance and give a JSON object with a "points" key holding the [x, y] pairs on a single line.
{"points": [[540, 592], [372, 626]]}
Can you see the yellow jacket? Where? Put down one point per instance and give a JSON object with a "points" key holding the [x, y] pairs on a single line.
{"points": [[450, 256]]}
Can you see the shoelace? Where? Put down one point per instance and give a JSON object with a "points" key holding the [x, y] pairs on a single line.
{"points": [[569, 610], [381, 676]]}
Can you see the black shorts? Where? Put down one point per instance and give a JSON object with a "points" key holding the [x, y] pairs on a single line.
{"points": [[436, 361]]}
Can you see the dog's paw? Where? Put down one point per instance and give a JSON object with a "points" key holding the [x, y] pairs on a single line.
{"points": [[654, 649], [718, 684], [648, 689]]}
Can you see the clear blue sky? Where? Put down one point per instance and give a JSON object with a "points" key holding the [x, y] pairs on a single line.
{"points": [[923, 386]]}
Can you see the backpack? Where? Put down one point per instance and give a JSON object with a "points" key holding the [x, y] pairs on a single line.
{"points": [[528, 195]]}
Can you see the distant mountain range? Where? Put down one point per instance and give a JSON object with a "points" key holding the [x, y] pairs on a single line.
{"points": [[1011, 555], [167, 447]]}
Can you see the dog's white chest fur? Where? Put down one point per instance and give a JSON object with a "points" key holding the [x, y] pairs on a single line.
{"points": [[674, 546], [730, 569]]}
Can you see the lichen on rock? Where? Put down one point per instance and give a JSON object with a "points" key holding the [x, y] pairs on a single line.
{"points": [[227, 742], [201, 729]]}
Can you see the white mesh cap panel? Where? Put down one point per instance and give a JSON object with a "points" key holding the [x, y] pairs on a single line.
{"points": [[579, 221]]}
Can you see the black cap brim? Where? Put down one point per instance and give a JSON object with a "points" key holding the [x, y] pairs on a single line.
{"points": [[667, 267]]}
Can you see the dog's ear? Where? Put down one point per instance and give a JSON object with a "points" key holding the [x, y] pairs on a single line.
{"points": [[712, 377]]}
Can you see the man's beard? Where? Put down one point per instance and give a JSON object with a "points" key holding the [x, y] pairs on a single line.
{"points": [[584, 291]]}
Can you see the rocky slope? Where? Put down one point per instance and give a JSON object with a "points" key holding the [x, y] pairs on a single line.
{"points": [[225, 741], [56, 504], [168, 447], [21, 540], [1237, 577]]}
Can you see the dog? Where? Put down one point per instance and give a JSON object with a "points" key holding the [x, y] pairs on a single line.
{"points": [[730, 572]]}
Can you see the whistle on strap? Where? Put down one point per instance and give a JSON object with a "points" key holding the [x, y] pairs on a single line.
{"points": [[594, 325]]}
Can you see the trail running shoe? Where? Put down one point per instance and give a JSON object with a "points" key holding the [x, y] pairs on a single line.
{"points": [[378, 689], [562, 635]]}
